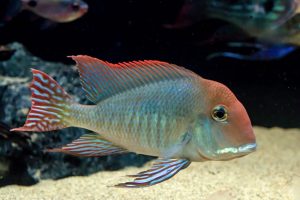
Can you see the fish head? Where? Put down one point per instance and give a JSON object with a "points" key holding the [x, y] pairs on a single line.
{"points": [[57, 10], [226, 130]]}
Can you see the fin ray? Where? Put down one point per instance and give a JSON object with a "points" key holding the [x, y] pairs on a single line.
{"points": [[90, 145], [162, 170], [50, 105], [101, 79]]}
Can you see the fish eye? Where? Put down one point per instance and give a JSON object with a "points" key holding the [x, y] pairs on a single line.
{"points": [[219, 113], [75, 6], [32, 3]]}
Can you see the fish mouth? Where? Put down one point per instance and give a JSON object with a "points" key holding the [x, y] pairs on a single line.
{"points": [[229, 153], [244, 149], [247, 148]]}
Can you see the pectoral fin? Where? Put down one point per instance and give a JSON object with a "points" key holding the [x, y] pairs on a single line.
{"points": [[90, 145], [162, 170]]}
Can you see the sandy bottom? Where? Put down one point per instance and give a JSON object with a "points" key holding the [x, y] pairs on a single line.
{"points": [[273, 172]]}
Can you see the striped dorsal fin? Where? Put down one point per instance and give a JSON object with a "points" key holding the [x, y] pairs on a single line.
{"points": [[102, 80]]}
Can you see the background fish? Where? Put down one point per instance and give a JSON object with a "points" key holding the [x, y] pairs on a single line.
{"points": [[255, 17], [282, 41], [57, 10], [148, 107], [289, 32], [54, 10], [267, 20]]}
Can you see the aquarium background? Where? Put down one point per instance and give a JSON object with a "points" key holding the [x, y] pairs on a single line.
{"points": [[124, 31]]}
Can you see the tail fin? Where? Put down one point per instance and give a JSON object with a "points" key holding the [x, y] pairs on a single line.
{"points": [[50, 105]]}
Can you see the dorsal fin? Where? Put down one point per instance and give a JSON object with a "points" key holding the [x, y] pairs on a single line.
{"points": [[102, 79]]}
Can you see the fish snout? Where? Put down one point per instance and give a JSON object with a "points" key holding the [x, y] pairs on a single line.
{"points": [[249, 142], [251, 139], [247, 148]]}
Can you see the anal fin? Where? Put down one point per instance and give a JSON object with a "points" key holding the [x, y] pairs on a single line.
{"points": [[90, 145], [161, 171]]}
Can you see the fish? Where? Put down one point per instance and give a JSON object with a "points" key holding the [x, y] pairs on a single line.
{"points": [[285, 40], [60, 11], [57, 10], [271, 22], [288, 33], [265, 52], [257, 18], [148, 107]]}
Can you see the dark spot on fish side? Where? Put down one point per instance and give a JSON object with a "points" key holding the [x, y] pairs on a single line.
{"points": [[32, 3], [75, 6]]}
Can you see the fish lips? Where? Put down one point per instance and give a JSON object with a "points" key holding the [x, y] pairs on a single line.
{"points": [[247, 148], [230, 153]]}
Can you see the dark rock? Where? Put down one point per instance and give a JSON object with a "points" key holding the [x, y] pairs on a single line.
{"points": [[6, 53], [22, 156]]}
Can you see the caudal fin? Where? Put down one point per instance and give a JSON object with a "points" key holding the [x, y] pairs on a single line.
{"points": [[50, 105]]}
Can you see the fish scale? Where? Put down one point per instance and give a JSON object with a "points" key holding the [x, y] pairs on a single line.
{"points": [[136, 112], [113, 123]]}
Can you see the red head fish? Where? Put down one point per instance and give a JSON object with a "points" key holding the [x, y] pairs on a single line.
{"points": [[148, 107]]}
